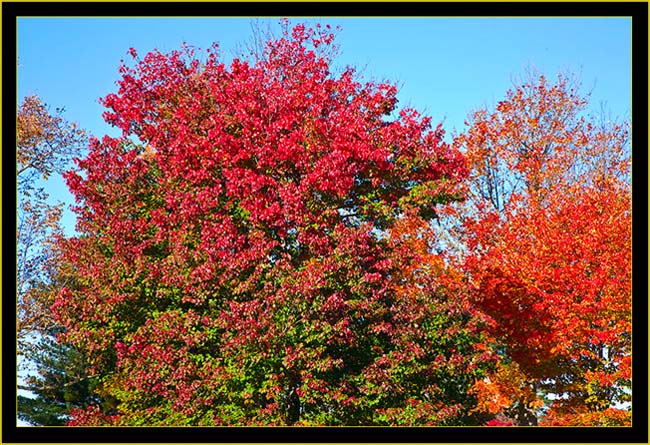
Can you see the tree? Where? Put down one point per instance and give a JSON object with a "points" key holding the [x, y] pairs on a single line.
{"points": [[440, 336], [45, 145], [62, 385], [58, 379], [550, 247], [236, 265]]}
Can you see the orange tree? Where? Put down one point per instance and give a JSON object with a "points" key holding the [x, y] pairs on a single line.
{"points": [[239, 266], [45, 145], [549, 251]]}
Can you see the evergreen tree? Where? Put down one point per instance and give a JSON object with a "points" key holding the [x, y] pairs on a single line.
{"points": [[61, 383]]}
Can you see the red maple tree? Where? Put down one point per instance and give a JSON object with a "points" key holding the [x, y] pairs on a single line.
{"points": [[235, 264]]}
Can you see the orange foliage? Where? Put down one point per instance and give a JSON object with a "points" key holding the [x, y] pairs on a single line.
{"points": [[504, 387], [45, 144], [549, 242]]}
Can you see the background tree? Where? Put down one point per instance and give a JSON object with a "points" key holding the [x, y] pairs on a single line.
{"points": [[549, 247], [60, 385], [45, 145], [238, 266]]}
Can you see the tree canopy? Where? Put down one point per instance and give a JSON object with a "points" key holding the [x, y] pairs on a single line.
{"points": [[240, 263], [273, 241], [549, 240]]}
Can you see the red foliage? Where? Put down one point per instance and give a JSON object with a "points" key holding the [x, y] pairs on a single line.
{"points": [[233, 268], [91, 416], [550, 243], [497, 422]]}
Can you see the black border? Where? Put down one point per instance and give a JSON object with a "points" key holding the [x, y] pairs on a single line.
{"points": [[323, 8], [638, 433]]}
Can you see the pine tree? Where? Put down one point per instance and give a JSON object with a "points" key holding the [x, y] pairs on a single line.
{"points": [[61, 383]]}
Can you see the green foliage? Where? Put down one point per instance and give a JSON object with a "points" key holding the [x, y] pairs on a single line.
{"points": [[61, 384], [241, 267]]}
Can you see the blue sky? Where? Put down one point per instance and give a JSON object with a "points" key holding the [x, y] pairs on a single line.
{"points": [[444, 67]]}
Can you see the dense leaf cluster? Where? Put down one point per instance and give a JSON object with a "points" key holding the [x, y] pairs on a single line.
{"points": [[237, 265], [272, 243], [550, 243]]}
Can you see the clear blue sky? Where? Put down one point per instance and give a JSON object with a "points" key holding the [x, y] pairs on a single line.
{"points": [[444, 67]]}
